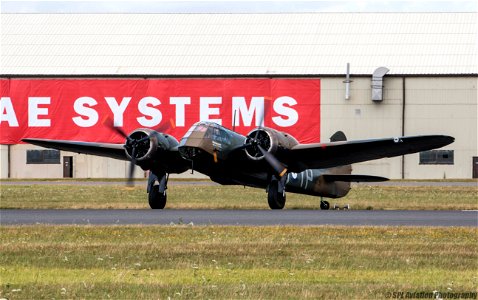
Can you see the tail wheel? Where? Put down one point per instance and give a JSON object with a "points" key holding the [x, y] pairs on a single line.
{"points": [[156, 199], [274, 197]]}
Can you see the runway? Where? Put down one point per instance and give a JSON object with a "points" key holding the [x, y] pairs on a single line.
{"points": [[241, 217]]}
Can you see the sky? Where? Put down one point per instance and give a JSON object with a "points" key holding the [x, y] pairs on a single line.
{"points": [[221, 6]]}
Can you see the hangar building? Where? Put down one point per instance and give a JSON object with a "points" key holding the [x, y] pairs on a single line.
{"points": [[410, 74]]}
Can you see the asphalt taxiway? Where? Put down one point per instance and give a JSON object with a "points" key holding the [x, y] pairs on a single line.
{"points": [[240, 217]]}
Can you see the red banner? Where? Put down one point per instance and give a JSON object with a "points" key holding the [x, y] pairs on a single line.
{"points": [[76, 109]]}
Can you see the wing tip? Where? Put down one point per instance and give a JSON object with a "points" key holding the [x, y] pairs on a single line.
{"points": [[443, 140], [449, 139]]}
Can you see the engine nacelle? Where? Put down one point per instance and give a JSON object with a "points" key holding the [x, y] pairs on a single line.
{"points": [[269, 139], [147, 144]]}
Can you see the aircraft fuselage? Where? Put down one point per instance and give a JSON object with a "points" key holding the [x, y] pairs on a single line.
{"points": [[208, 142]]}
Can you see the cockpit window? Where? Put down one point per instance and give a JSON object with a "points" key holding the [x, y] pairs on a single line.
{"points": [[220, 135], [211, 131], [201, 127], [198, 127]]}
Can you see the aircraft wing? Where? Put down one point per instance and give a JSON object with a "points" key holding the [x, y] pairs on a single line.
{"points": [[100, 149], [327, 155]]}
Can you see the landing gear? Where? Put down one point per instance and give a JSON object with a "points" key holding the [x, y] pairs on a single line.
{"points": [[157, 196], [324, 205], [276, 194], [157, 200]]}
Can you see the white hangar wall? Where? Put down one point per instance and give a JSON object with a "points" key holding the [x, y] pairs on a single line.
{"points": [[433, 105], [447, 106]]}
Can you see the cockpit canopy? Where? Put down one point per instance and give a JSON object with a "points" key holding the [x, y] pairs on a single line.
{"points": [[206, 131]]}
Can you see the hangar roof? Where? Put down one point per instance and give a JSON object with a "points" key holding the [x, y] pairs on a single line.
{"points": [[235, 44]]}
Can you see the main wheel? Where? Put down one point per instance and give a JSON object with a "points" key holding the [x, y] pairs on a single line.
{"points": [[324, 205], [156, 199], [276, 200]]}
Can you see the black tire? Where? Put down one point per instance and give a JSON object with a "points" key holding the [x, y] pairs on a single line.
{"points": [[325, 205], [156, 199], [276, 200]]}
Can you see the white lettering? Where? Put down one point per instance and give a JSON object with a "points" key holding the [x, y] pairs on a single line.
{"points": [[146, 107], [256, 108], [180, 103], [118, 110], [205, 111], [34, 111], [82, 106], [291, 114], [7, 113]]}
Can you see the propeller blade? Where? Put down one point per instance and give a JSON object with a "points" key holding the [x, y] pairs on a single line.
{"points": [[259, 127], [261, 121], [132, 166], [121, 132], [110, 125], [273, 162]]}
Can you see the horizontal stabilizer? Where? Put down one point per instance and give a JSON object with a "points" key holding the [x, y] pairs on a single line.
{"points": [[353, 178]]}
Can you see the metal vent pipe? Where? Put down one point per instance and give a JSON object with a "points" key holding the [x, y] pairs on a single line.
{"points": [[377, 83]]}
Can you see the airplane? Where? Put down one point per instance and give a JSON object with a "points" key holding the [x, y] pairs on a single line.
{"points": [[265, 158]]}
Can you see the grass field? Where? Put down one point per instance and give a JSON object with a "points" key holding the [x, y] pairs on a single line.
{"points": [[231, 197], [184, 262]]}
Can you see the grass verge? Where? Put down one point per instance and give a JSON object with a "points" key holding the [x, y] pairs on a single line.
{"points": [[230, 197], [149, 262]]}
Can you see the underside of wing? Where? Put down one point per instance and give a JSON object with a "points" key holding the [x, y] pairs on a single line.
{"points": [[327, 155], [100, 149]]}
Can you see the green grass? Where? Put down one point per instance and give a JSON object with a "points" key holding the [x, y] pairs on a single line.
{"points": [[231, 197], [183, 262]]}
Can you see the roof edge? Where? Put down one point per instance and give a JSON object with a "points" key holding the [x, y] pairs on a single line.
{"points": [[149, 76]]}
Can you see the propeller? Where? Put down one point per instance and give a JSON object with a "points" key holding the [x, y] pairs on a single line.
{"points": [[130, 143], [134, 144], [273, 162]]}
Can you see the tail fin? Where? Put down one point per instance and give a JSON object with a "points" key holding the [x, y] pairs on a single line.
{"points": [[338, 136]]}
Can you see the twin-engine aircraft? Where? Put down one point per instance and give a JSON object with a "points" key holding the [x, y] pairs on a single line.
{"points": [[265, 158]]}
